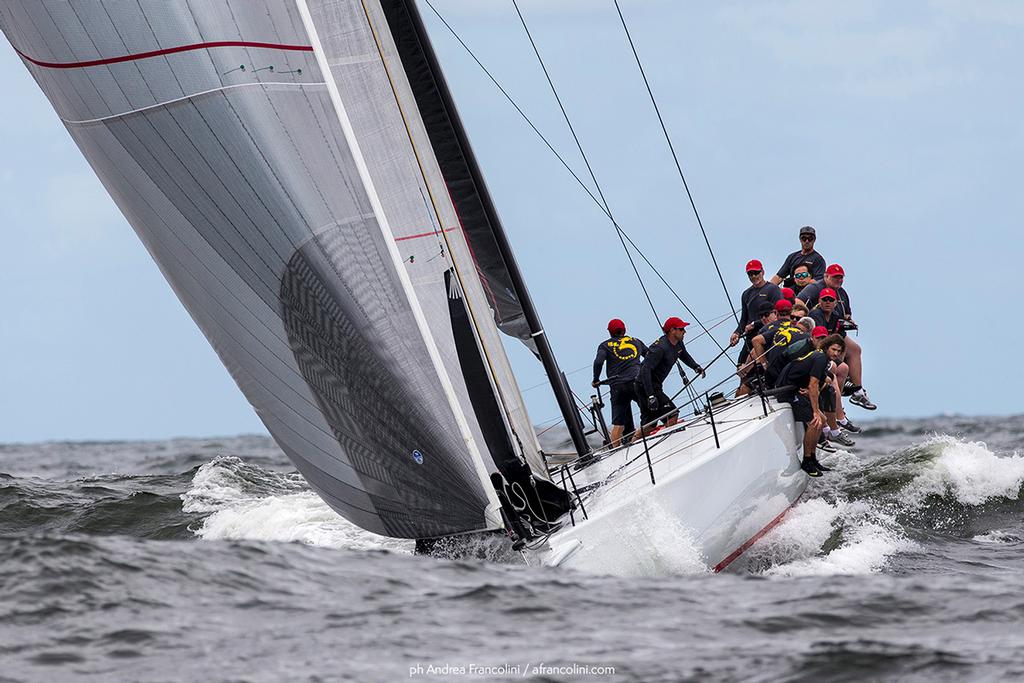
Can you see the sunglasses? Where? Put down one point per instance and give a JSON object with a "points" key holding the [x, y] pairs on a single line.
{"points": [[752, 273], [827, 299], [679, 328], [806, 238], [801, 276]]}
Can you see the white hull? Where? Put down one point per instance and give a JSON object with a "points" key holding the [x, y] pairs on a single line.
{"points": [[709, 502]]}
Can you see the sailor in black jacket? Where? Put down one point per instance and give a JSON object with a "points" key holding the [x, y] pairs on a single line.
{"points": [[622, 355], [661, 358]]}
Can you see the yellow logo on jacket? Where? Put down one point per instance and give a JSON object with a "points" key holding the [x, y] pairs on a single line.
{"points": [[623, 348]]}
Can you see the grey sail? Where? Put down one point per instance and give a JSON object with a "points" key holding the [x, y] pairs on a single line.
{"points": [[433, 205], [257, 149]]}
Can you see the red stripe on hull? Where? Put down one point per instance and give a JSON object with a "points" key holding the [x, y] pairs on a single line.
{"points": [[165, 51], [755, 538]]}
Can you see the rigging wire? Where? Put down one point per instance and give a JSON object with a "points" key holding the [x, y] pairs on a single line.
{"points": [[675, 157], [597, 185], [586, 160], [568, 168]]}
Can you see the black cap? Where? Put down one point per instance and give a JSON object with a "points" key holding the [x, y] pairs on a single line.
{"points": [[807, 230], [765, 308]]}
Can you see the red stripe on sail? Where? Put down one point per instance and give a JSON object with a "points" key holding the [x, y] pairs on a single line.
{"points": [[165, 51], [422, 234]]}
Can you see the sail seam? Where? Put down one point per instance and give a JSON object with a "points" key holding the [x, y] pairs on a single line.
{"points": [[223, 88]]}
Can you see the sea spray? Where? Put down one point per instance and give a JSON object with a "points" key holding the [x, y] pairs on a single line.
{"points": [[246, 501], [966, 471], [864, 512], [625, 547]]}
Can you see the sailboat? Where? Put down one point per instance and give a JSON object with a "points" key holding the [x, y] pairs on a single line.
{"points": [[298, 171]]}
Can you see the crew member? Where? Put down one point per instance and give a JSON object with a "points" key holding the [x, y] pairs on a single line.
{"points": [[784, 338], [807, 255], [832, 401], [622, 355], [807, 375], [759, 292], [801, 277], [657, 364], [750, 372], [826, 315], [834, 278]]}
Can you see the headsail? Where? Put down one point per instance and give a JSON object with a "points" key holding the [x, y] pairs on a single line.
{"points": [[256, 179]]}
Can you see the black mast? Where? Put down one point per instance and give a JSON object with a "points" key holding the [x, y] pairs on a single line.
{"points": [[478, 199]]}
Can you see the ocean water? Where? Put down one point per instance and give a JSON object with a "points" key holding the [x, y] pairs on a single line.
{"points": [[210, 560]]}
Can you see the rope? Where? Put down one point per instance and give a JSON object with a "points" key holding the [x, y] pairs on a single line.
{"points": [[675, 158]]}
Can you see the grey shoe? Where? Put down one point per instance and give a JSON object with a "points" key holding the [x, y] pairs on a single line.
{"points": [[842, 439], [849, 427], [861, 399]]}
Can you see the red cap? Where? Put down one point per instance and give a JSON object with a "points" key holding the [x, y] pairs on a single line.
{"points": [[673, 322], [754, 264], [835, 269], [616, 325], [828, 291], [819, 331], [783, 305], [788, 293]]}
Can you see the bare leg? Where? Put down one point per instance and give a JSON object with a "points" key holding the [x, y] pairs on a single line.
{"points": [[811, 435], [853, 361], [842, 372], [616, 434]]}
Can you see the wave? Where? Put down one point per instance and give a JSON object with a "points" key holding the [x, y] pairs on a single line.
{"points": [[243, 501], [866, 512], [144, 506]]}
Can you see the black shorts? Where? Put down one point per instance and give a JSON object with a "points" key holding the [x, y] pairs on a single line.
{"points": [[802, 411], [622, 399], [827, 399], [666, 409]]}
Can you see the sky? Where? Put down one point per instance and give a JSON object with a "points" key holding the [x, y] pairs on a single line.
{"points": [[895, 129]]}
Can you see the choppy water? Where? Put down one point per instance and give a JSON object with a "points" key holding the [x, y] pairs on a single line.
{"points": [[210, 560]]}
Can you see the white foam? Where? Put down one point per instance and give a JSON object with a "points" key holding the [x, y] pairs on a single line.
{"points": [[247, 502], [997, 537], [865, 549], [968, 471], [650, 542], [794, 547], [300, 517]]}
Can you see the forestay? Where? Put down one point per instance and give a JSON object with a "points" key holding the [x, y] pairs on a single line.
{"points": [[272, 158]]}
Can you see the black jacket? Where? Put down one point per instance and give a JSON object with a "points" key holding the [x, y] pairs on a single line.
{"points": [[659, 361], [623, 357]]}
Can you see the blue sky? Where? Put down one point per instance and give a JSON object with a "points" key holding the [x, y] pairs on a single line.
{"points": [[896, 130]]}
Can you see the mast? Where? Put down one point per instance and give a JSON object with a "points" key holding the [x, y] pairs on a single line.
{"points": [[544, 351]]}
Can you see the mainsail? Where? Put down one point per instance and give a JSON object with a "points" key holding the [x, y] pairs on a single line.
{"points": [[273, 158]]}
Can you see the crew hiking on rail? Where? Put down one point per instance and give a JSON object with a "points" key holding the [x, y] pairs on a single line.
{"points": [[794, 328]]}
